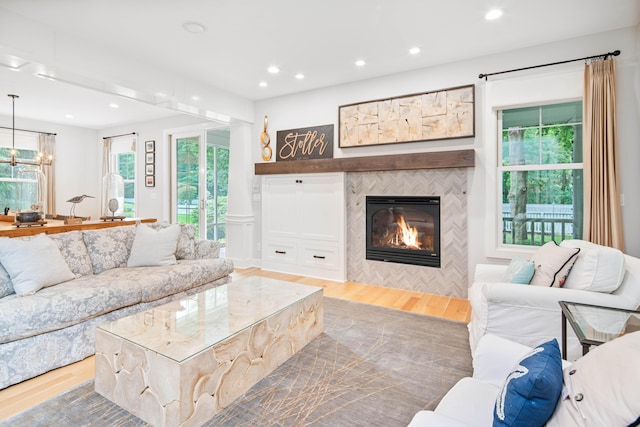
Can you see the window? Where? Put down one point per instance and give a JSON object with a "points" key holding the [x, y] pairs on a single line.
{"points": [[124, 163], [26, 148], [540, 173]]}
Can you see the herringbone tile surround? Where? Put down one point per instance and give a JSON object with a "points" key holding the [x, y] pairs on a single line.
{"points": [[451, 186]]}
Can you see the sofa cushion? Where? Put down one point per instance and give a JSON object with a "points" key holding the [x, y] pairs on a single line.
{"points": [[603, 386], [553, 264], [531, 391], [185, 249], [156, 282], [74, 252], [597, 268], [6, 287], [519, 271], [33, 264], [109, 247], [154, 247], [63, 305]]}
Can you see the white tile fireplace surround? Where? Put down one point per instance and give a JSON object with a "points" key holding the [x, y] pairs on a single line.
{"points": [[450, 185]]}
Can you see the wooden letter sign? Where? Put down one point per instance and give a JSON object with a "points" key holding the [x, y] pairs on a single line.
{"points": [[305, 143]]}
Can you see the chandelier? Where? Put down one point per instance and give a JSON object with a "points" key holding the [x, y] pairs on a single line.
{"points": [[14, 161]]}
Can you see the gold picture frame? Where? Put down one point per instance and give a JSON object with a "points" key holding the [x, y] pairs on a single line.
{"points": [[442, 114]]}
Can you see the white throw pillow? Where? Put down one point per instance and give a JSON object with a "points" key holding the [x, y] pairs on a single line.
{"points": [[597, 268], [154, 248], [553, 264], [33, 264], [602, 386]]}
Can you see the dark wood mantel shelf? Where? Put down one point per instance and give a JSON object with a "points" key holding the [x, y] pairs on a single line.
{"points": [[433, 160]]}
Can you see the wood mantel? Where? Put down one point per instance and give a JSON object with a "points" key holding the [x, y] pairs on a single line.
{"points": [[432, 160]]}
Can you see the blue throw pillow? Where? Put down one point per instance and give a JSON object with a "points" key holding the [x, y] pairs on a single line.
{"points": [[519, 271], [531, 392]]}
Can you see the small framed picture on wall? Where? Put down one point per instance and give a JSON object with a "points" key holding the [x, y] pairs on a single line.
{"points": [[149, 146], [150, 181], [150, 158], [149, 170]]}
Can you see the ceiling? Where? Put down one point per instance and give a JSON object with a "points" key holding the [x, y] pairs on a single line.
{"points": [[320, 39]]}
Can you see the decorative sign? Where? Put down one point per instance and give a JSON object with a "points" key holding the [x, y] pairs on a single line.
{"points": [[443, 114], [305, 143]]}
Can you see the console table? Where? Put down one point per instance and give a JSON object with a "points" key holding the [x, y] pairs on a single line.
{"points": [[54, 226]]}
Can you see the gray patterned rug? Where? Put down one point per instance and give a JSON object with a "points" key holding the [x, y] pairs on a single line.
{"points": [[372, 366]]}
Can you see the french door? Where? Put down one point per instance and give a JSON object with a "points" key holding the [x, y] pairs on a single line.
{"points": [[200, 170]]}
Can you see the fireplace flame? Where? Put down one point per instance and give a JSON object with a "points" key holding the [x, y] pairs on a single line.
{"points": [[406, 235]]}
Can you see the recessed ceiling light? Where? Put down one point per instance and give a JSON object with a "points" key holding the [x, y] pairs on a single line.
{"points": [[194, 27], [299, 76], [414, 50], [262, 84], [493, 14], [195, 98], [113, 105], [69, 116], [360, 63], [273, 69]]}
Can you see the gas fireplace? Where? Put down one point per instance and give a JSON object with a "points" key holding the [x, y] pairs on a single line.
{"points": [[403, 229]]}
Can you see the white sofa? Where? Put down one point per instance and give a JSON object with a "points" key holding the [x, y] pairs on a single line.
{"points": [[600, 389], [531, 314], [43, 329]]}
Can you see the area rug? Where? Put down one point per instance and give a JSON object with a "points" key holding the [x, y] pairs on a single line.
{"points": [[372, 366]]}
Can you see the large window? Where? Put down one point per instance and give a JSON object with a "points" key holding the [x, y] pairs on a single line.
{"points": [[124, 163], [26, 148], [540, 173]]}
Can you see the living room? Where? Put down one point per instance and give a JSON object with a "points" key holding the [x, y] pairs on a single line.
{"points": [[79, 148]]}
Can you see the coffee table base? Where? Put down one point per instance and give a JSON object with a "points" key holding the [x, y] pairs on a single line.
{"points": [[164, 392]]}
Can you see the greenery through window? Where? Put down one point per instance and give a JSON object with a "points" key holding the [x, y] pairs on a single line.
{"points": [[126, 166], [541, 173], [26, 148]]}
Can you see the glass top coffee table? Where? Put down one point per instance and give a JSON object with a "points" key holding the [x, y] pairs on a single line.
{"points": [[185, 361], [595, 325]]}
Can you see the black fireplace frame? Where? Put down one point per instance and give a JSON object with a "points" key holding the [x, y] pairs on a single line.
{"points": [[431, 205]]}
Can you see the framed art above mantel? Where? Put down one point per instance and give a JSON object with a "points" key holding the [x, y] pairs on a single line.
{"points": [[442, 114]]}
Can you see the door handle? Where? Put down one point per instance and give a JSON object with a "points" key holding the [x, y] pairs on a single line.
{"points": [[319, 257]]}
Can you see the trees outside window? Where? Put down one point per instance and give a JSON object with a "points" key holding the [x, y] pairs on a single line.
{"points": [[541, 173]]}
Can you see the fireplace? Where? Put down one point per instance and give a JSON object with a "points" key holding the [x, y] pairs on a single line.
{"points": [[403, 229]]}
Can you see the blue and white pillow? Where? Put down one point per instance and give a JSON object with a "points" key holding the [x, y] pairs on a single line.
{"points": [[519, 271], [531, 392]]}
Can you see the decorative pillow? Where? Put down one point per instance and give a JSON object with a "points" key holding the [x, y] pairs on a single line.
{"points": [[602, 386], [186, 241], [33, 264], [109, 247], [6, 287], [153, 248], [553, 264], [531, 391], [74, 252], [519, 271], [597, 268]]}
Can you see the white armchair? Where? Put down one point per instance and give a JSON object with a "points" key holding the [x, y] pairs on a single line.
{"points": [[530, 314]]}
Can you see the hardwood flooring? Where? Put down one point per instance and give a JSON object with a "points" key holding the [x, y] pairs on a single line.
{"points": [[29, 393]]}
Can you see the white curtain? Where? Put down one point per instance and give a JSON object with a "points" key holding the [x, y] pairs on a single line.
{"points": [[47, 148]]}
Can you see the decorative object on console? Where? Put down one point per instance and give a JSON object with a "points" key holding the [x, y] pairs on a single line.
{"points": [[72, 212], [150, 162], [31, 194], [267, 152], [112, 197], [14, 161], [305, 143], [442, 114]]}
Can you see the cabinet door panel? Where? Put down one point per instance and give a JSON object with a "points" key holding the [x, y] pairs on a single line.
{"points": [[320, 257], [321, 207], [280, 200], [281, 252]]}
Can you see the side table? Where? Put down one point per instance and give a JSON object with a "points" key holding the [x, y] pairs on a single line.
{"points": [[595, 325]]}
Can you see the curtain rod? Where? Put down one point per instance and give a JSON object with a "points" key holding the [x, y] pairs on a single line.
{"points": [[605, 55], [27, 130], [116, 136]]}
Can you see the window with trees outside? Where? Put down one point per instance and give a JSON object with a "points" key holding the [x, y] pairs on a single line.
{"points": [[541, 173], [26, 148], [124, 163]]}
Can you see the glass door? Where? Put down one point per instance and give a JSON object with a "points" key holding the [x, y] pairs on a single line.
{"points": [[200, 165]]}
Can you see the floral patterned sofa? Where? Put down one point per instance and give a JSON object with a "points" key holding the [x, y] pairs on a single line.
{"points": [[54, 326]]}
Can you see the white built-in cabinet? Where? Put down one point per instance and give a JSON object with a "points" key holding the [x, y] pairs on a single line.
{"points": [[303, 224]]}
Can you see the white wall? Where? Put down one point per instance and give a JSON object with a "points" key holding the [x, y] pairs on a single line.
{"points": [[321, 107]]}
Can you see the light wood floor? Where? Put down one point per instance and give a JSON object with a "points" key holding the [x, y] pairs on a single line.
{"points": [[29, 393]]}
